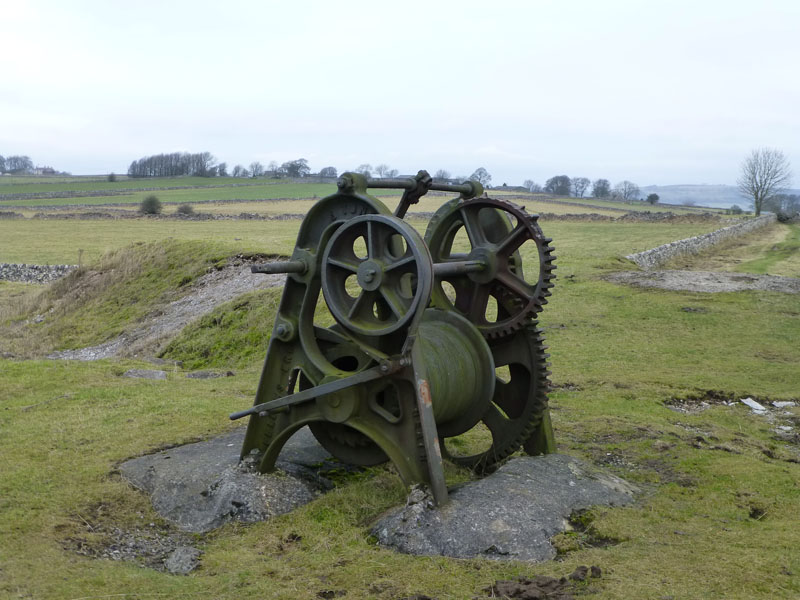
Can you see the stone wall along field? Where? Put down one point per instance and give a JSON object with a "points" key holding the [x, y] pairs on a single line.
{"points": [[33, 273], [650, 259]]}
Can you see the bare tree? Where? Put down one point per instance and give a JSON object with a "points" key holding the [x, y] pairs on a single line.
{"points": [[627, 190], [580, 185], [256, 169], [382, 169], [272, 168], [764, 173], [365, 169], [560, 185], [482, 176], [391, 173], [601, 188], [532, 186], [441, 174]]}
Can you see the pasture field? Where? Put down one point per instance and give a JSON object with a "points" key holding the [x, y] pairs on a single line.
{"points": [[206, 191], [646, 384]]}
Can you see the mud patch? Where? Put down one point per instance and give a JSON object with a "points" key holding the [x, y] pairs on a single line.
{"points": [[154, 545], [706, 281], [544, 587]]}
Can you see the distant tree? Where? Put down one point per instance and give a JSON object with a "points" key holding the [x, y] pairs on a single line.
{"points": [[173, 165], [222, 169], [736, 209], [601, 188], [782, 203], [18, 164], [237, 171], [328, 172], [688, 202], [559, 185], [391, 173], [111, 177], [580, 185], [527, 184], [272, 168], [482, 176], [652, 198], [2, 164], [382, 169], [256, 169], [151, 205], [627, 190], [185, 209], [365, 169], [441, 174], [296, 168], [764, 173]]}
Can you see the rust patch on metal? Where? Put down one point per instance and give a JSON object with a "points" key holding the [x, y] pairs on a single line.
{"points": [[425, 392]]}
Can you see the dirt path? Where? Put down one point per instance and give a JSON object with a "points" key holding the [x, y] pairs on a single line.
{"points": [[150, 336], [707, 281]]}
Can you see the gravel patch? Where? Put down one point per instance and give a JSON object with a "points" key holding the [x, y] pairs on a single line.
{"points": [[707, 281]]}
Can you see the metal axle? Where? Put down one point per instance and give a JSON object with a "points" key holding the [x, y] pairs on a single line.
{"points": [[445, 269]]}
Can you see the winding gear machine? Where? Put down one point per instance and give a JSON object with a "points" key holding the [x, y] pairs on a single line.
{"points": [[435, 352]]}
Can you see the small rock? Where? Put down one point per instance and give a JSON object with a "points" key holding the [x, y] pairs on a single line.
{"points": [[785, 428], [183, 560], [755, 406], [783, 403], [145, 374]]}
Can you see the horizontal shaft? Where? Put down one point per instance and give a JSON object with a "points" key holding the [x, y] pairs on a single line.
{"points": [[285, 266], [461, 267], [407, 183]]}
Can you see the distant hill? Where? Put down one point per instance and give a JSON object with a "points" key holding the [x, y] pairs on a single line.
{"points": [[716, 196]]}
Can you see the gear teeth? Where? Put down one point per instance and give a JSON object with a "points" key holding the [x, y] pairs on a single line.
{"points": [[518, 311]]}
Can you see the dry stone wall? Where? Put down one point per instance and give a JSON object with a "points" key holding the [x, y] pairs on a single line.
{"points": [[655, 257], [33, 273]]}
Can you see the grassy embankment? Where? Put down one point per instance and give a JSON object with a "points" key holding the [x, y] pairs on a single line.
{"points": [[720, 512]]}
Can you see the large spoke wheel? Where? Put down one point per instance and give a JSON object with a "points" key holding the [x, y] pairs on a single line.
{"points": [[501, 297], [376, 274]]}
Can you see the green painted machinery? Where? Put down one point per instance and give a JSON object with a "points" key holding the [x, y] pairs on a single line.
{"points": [[435, 352]]}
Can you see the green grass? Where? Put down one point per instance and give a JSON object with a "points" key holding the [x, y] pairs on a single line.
{"points": [[780, 255], [234, 334], [618, 354]]}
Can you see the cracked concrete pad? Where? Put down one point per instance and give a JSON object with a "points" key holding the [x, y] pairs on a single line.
{"points": [[202, 486], [511, 514]]}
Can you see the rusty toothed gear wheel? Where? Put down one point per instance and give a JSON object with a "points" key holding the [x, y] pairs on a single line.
{"points": [[514, 416], [496, 230]]}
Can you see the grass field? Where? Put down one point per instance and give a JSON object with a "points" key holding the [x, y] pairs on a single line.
{"points": [[720, 512]]}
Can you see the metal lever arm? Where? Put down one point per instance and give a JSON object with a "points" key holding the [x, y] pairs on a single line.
{"points": [[376, 372]]}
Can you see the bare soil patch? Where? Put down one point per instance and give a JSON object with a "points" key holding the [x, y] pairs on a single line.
{"points": [[706, 281]]}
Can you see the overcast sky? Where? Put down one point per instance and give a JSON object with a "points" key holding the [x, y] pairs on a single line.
{"points": [[658, 92]]}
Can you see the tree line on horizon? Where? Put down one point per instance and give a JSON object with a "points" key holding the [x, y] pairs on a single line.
{"points": [[577, 187], [204, 164]]}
